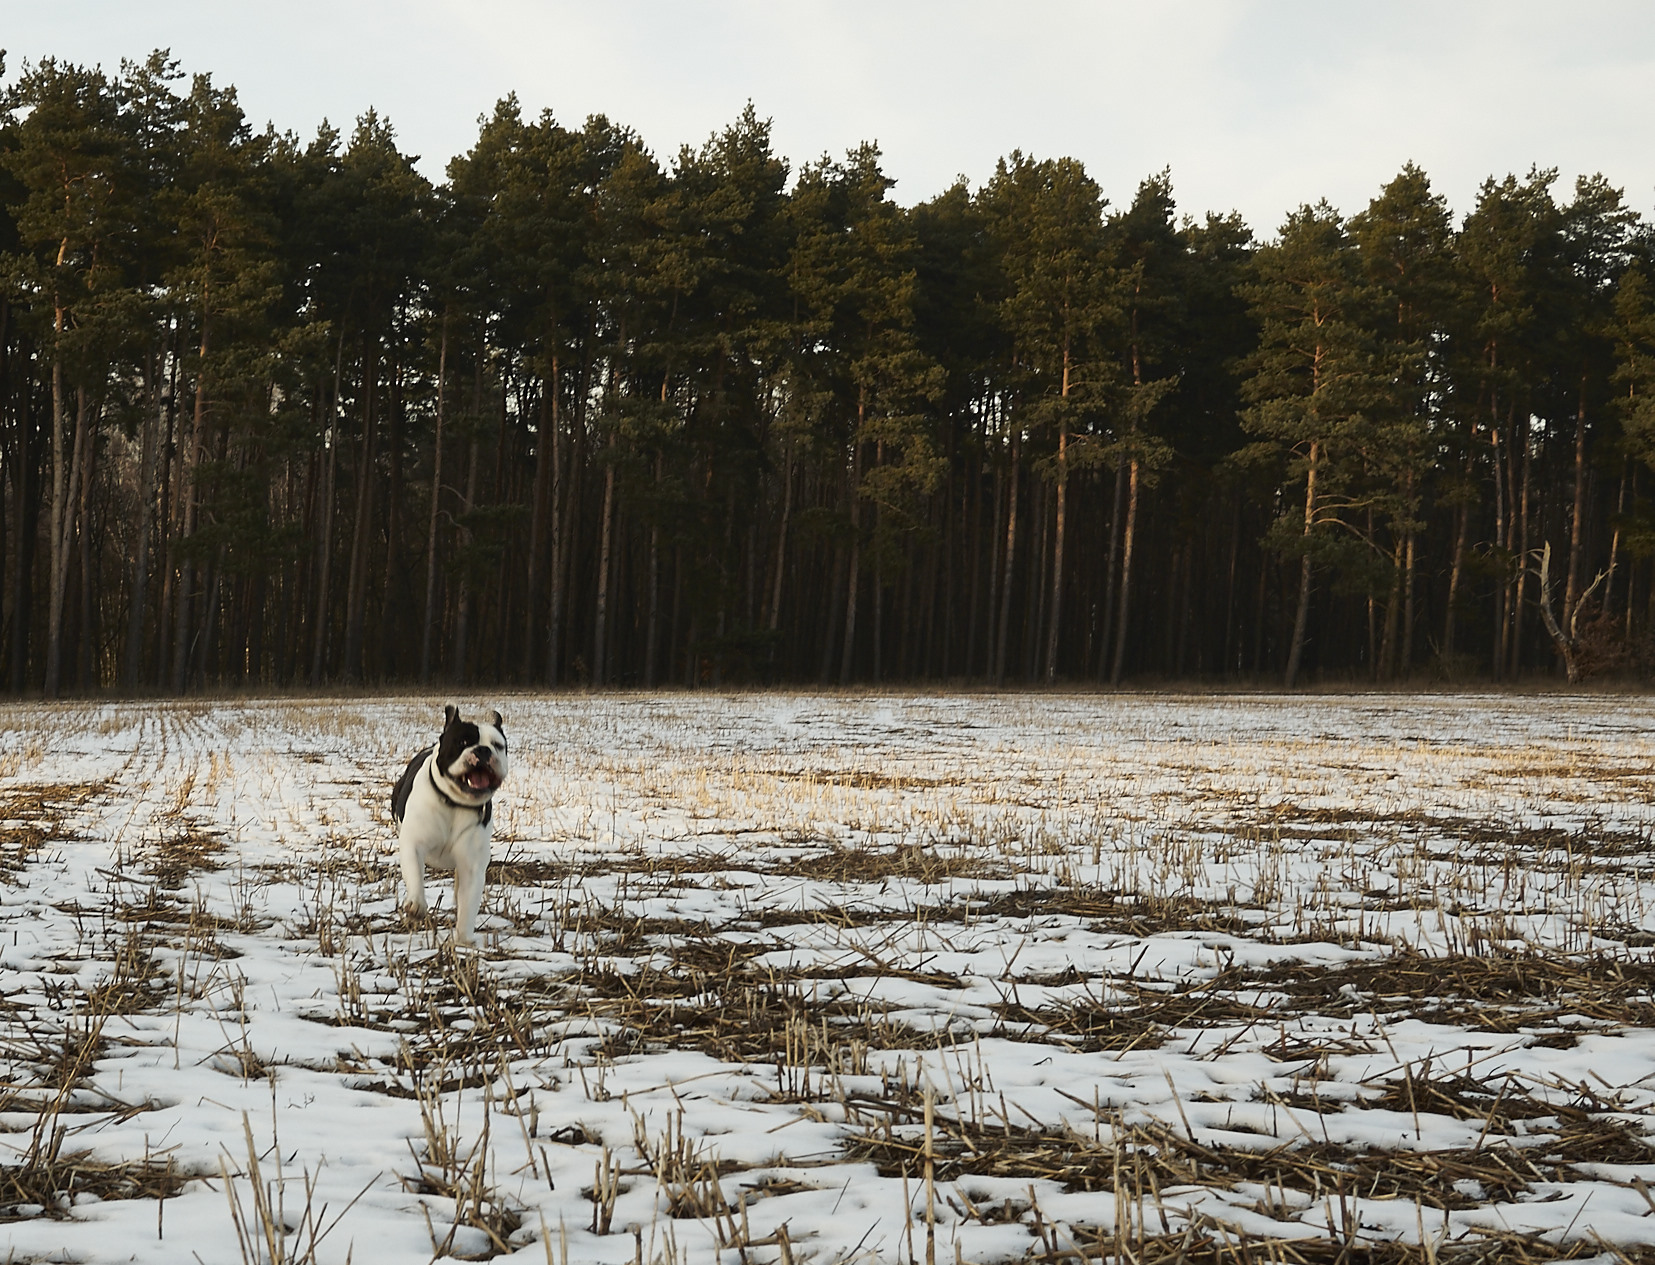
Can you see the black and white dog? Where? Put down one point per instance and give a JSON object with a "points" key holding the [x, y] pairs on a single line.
{"points": [[445, 804]]}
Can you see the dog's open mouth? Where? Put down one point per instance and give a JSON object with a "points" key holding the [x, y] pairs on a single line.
{"points": [[480, 779]]}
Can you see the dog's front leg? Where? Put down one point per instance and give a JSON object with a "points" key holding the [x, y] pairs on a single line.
{"points": [[413, 878], [470, 869]]}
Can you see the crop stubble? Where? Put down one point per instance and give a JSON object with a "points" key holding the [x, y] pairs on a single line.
{"points": [[1296, 901]]}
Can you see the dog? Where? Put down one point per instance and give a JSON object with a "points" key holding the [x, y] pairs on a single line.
{"points": [[444, 804]]}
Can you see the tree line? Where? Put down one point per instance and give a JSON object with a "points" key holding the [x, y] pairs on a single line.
{"points": [[277, 412]]}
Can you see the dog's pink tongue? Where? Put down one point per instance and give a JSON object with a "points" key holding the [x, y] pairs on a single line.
{"points": [[478, 780]]}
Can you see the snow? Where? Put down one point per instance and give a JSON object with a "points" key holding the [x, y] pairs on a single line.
{"points": [[945, 898]]}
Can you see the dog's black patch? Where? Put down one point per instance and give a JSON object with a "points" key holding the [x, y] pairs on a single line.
{"points": [[458, 736], [405, 785]]}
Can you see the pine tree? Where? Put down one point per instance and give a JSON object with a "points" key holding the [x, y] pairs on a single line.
{"points": [[1048, 219], [854, 283], [1597, 230], [73, 158], [1405, 238], [1314, 387], [1150, 277], [368, 211], [1508, 249]]}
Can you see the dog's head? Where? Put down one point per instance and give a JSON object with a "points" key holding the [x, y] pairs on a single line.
{"points": [[473, 754]]}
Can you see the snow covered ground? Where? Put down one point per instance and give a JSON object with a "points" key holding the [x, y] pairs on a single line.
{"points": [[791, 978]]}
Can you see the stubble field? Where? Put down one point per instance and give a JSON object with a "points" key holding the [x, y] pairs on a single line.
{"points": [[789, 978]]}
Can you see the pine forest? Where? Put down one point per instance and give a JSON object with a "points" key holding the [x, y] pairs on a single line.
{"points": [[284, 413]]}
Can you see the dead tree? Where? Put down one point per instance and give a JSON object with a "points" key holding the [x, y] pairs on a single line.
{"points": [[1565, 635]]}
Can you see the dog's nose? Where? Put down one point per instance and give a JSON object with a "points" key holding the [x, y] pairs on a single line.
{"points": [[483, 754]]}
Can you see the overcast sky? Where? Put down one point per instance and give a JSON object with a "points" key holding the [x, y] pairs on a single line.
{"points": [[1255, 105]]}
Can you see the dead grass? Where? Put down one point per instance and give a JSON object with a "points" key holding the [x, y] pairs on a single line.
{"points": [[174, 859], [50, 1183], [1211, 1242], [1140, 1165], [32, 815], [1127, 913], [924, 865], [1495, 993], [1451, 835]]}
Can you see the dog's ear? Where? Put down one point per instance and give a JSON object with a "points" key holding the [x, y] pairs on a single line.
{"points": [[450, 714], [499, 722]]}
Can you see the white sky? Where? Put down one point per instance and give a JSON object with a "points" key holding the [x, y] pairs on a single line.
{"points": [[1255, 105]]}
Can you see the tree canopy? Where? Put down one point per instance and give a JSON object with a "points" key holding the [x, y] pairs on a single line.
{"points": [[285, 412]]}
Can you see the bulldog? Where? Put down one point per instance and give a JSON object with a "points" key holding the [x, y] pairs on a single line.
{"points": [[444, 803]]}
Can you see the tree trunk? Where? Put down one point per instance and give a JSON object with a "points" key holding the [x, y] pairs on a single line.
{"points": [[459, 665], [1230, 640], [166, 518], [1564, 633], [538, 508], [600, 618], [395, 608], [996, 570], [1572, 585], [1410, 571], [1178, 588], [207, 638], [652, 633], [1520, 578], [848, 649], [781, 542], [975, 616], [1129, 535], [87, 640], [26, 504], [1301, 615], [1106, 625], [149, 447], [1631, 567], [1372, 606], [322, 623], [847, 645], [1393, 615], [65, 510], [253, 622], [59, 507], [428, 624], [1007, 561], [54, 600], [356, 584], [1499, 458], [878, 638], [1456, 569], [1056, 615], [565, 486], [833, 620], [1033, 627], [1614, 543], [189, 499]]}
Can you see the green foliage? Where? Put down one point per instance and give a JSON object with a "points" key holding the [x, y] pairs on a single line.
{"points": [[723, 400]]}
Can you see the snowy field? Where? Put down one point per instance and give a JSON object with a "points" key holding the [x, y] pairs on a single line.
{"points": [[783, 978]]}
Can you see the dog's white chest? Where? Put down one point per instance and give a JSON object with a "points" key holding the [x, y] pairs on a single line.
{"points": [[439, 829]]}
